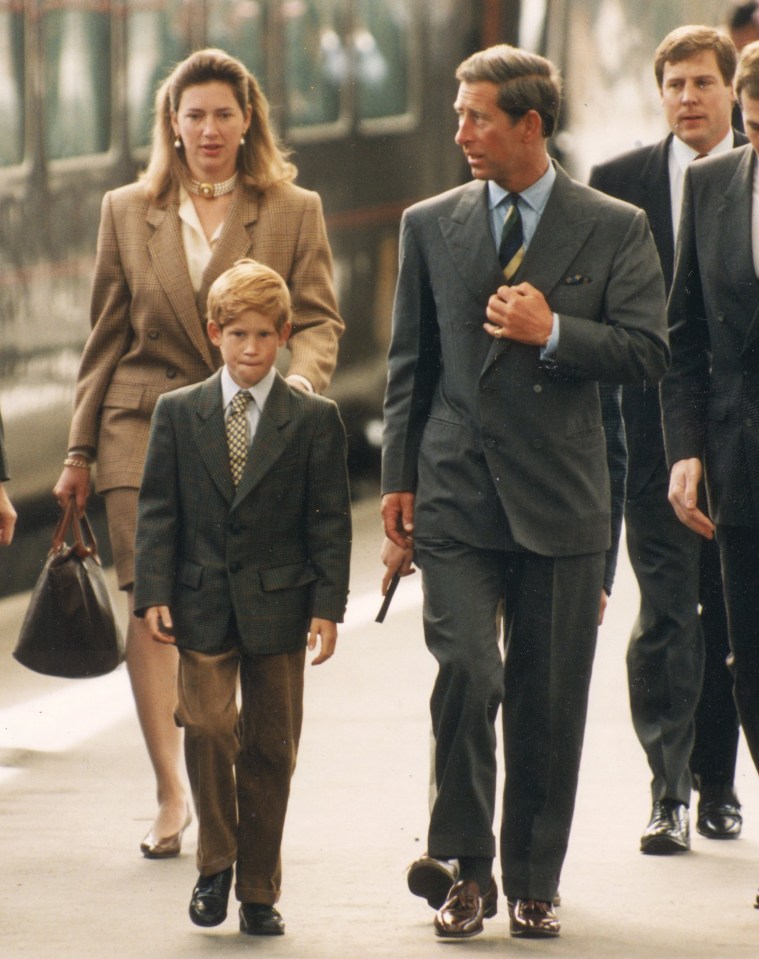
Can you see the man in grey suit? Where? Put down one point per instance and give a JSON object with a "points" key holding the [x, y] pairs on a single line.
{"points": [[494, 469], [680, 688], [710, 399]]}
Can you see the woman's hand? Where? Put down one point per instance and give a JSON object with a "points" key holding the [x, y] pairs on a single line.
{"points": [[73, 481]]}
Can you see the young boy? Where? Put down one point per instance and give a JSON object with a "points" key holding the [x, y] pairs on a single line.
{"points": [[242, 556]]}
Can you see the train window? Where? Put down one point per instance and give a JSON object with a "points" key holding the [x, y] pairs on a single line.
{"points": [[381, 43], [316, 60], [154, 42], [11, 83], [239, 27], [77, 46]]}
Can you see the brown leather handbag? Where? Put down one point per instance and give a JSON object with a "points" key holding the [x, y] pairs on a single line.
{"points": [[69, 629]]}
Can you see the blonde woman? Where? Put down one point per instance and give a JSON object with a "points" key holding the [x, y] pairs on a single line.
{"points": [[218, 187]]}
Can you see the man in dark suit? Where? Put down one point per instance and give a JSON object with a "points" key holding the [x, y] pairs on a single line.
{"points": [[672, 647], [516, 296], [7, 511], [710, 399]]}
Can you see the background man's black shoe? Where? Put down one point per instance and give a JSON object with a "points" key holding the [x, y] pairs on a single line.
{"points": [[669, 829], [719, 813]]}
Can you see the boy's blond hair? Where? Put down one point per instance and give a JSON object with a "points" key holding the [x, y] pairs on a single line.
{"points": [[249, 285]]}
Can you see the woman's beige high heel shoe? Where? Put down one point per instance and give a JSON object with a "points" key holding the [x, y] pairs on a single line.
{"points": [[167, 848]]}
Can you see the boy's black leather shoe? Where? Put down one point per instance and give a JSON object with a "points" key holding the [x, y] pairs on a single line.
{"points": [[259, 920], [208, 906]]}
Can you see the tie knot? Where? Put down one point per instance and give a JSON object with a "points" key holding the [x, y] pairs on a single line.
{"points": [[240, 401]]}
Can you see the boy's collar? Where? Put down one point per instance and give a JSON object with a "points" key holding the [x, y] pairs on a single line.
{"points": [[259, 392]]}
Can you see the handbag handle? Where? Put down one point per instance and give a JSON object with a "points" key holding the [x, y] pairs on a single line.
{"points": [[84, 539]]}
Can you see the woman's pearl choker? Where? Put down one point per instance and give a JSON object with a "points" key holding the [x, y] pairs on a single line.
{"points": [[211, 190]]}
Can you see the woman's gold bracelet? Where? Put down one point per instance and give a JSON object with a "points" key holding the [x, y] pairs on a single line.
{"points": [[77, 461]]}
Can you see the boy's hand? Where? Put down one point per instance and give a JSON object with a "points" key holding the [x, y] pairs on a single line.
{"points": [[159, 622], [327, 630]]}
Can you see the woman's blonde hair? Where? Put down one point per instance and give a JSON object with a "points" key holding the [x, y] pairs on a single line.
{"points": [[261, 161]]}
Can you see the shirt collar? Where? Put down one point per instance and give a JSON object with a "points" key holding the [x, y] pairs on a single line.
{"points": [[535, 196], [259, 392], [189, 215], [685, 155]]}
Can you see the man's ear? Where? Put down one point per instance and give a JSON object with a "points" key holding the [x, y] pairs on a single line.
{"points": [[533, 125]]}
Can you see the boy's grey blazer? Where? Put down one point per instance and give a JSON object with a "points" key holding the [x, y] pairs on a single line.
{"points": [[274, 552], [502, 432], [710, 397]]}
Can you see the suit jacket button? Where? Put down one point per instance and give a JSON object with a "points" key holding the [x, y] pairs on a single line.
{"points": [[235, 567], [153, 334], [749, 421], [171, 372], [537, 388], [537, 444]]}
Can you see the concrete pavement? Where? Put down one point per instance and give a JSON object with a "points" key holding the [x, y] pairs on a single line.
{"points": [[75, 801]]}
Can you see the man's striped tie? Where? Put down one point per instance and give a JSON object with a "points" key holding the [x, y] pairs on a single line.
{"points": [[511, 247]]}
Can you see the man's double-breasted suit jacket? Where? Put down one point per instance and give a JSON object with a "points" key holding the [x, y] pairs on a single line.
{"points": [[483, 430], [710, 397], [148, 326], [275, 551]]}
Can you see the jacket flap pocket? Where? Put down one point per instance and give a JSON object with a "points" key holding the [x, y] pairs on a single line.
{"points": [[124, 395], [287, 577], [190, 574]]}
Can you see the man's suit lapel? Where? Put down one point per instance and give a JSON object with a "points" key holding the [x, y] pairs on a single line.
{"points": [[734, 208], [737, 255], [167, 256], [268, 443], [469, 239], [656, 200], [562, 231]]}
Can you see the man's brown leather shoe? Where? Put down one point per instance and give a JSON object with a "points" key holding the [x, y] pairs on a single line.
{"points": [[533, 918], [462, 913], [431, 879]]}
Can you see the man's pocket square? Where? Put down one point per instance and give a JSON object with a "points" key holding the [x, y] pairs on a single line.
{"points": [[577, 279]]}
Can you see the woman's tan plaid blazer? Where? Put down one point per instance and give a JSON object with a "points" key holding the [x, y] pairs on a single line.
{"points": [[148, 326]]}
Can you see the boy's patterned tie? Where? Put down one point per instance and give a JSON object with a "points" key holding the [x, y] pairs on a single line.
{"points": [[511, 247], [237, 434]]}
